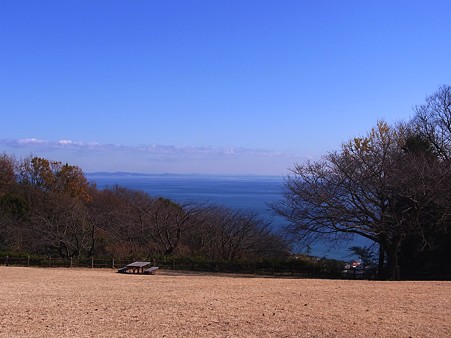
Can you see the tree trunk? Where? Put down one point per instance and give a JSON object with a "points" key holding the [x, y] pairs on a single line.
{"points": [[392, 272], [380, 265]]}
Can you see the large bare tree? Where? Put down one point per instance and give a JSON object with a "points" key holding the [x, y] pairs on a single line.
{"points": [[374, 187]]}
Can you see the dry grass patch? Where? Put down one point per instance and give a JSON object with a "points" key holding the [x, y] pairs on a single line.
{"points": [[98, 302]]}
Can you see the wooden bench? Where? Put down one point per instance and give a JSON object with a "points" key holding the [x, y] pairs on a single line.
{"points": [[151, 271], [123, 270]]}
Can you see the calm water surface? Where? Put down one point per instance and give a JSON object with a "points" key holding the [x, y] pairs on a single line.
{"points": [[242, 192]]}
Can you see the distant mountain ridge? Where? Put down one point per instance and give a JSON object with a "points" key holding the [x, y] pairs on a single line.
{"points": [[133, 174]]}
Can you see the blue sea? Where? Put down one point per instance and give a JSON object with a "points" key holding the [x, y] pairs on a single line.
{"points": [[246, 192]]}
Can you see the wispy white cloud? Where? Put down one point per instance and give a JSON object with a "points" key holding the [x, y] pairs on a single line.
{"points": [[29, 141], [154, 158], [33, 144]]}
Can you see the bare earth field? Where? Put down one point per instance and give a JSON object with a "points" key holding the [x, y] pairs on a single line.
{"points": [[62, 302]]}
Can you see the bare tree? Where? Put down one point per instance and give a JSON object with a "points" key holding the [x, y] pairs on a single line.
{"points": [[228, 235], [120, 220], [371, 188], [61, 225], [167, 222]]}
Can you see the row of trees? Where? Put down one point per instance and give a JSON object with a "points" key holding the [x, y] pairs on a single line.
{"points": [[49, 208], [391, 186]]}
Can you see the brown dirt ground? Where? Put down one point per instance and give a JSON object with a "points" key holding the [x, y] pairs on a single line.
{"points": [[37, 302]]}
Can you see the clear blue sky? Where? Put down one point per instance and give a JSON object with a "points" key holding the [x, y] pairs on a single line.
{"points": [[211, 86]]}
